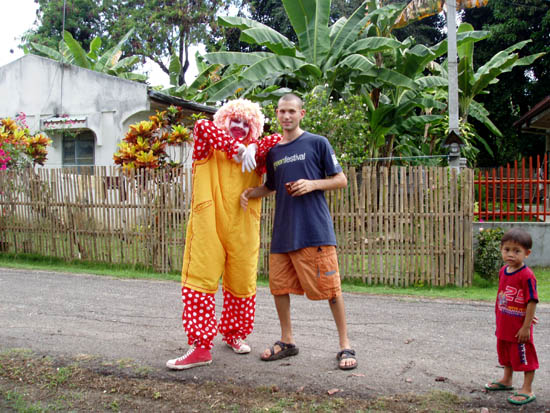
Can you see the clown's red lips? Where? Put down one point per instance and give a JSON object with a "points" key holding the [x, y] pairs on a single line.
{"points": [[238, 133]]}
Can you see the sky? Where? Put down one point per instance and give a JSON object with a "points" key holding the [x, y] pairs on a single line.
{"points": [[19, 16]]}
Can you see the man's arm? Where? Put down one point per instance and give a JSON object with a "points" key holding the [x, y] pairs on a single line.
{"points": [[304, 186], [256, 192]]}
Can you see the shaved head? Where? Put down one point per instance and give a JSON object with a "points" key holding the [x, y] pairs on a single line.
{"points": [[291, 97]]}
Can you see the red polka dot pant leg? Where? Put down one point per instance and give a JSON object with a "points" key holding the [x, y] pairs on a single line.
{"points": [[237, 320], [199, 317]]}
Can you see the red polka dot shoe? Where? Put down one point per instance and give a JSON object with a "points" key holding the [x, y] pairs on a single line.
{"points": [[194, 357], [238, 345]]}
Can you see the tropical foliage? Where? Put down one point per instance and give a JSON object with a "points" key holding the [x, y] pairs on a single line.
{"points": [[18, 147], [342, 122], [310, 47], [164, 29], [144, 146], [488, 258], [359, 56], [84, 19], [109, 62], [521, 89]]}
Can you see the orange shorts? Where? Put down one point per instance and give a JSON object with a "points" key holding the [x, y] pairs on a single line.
{"points": [[311, 270]]}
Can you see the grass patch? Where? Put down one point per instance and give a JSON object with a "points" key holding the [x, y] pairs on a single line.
{"points": [[17, 402], [39, 262], [481, 290], [89, 387]]}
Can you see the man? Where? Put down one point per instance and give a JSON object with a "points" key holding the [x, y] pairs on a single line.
{"points": [[303, 255], [222, 238]]}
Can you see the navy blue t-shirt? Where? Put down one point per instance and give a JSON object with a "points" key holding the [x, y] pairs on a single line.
{"points": [[302, 221]]}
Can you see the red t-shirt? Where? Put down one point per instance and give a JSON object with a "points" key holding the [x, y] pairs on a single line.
{"points": [[515, 290]]}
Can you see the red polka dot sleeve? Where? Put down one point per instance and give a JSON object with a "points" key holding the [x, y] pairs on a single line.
{"points": [[264, 145], [208, 137]]}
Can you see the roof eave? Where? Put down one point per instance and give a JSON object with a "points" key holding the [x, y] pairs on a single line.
{"points": [[185, 104]]}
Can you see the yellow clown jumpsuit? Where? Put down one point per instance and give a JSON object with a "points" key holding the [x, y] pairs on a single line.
{"points": [[222, 239]]}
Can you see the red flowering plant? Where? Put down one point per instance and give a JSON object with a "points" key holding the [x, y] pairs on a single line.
{"points": [[144, 145], [18, 147]]}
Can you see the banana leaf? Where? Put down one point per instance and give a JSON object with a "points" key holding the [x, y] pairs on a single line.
{"points": [[48, 51], [174, 69], [310, 19], [109, 58], [79, 54], [239, 58], [269, 38]]}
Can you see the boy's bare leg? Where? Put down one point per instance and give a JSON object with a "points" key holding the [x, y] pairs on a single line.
{"points": [[506, 378], [282, 304], [339, 313], [527, 388]]}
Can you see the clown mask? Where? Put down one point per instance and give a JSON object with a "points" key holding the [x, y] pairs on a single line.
{"points": [[238, 128]]}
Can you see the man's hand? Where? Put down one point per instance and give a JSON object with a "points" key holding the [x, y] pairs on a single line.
{"points": [[300, 187], [249, 158], [253, 193], [244, 198], [305, 186]]}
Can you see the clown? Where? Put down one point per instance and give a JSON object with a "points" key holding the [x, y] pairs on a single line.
{"points": [[222, 239]]}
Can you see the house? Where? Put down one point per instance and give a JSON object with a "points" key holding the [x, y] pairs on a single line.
{"points": [[85, 113], [537, 121]]}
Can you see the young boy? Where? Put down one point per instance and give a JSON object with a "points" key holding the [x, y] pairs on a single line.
{"points": [[515, 311]]}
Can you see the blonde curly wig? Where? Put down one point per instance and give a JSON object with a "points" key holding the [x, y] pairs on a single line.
{"points": [[243, 109]]}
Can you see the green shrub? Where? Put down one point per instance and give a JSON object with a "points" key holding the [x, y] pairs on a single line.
{"points": [[488, 258]]}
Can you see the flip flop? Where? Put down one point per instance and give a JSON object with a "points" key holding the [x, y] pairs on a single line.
{"points": [[287, 350], [346, 354], [528, 399], [497, 386]]}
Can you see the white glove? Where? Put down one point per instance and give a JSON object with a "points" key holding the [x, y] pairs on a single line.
{"points": [[249, 158], [238, 157]]}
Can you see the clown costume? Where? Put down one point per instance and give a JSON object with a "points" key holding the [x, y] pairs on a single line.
{"points": [[222, 239]]}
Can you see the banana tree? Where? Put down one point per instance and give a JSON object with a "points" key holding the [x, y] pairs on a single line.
{"points": [[391, 76], [396, 93], [473, 82], [301, 66], [354, 56], [208, 74], [109, 62]]}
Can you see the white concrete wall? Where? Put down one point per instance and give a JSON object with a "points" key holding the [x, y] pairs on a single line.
{"points": [[42, 88], [539, 231]]}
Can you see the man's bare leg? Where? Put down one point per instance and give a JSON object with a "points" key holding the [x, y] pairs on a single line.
{"points": [[339, 313], [282, 304]]}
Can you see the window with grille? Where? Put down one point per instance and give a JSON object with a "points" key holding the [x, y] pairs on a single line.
{"points": [[79, 148]]}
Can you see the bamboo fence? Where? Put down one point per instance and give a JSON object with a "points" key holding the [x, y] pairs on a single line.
{"points": [[394, 225]]}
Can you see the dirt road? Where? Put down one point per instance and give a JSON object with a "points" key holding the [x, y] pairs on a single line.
{"points": [[404, 345]]}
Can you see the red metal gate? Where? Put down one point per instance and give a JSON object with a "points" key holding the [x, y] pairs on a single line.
{"points": [[514, 192]]}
